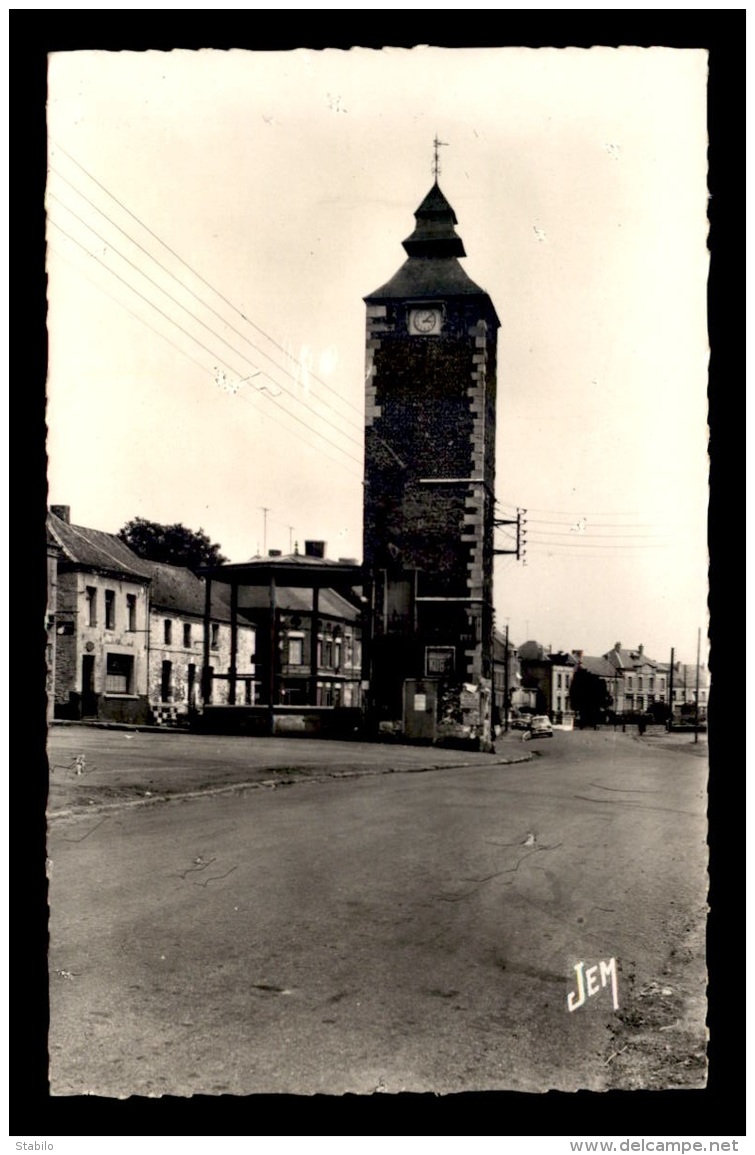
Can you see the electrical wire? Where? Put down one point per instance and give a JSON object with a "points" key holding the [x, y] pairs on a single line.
{"points": [[196, 340], [172, 320], [209, 328], [199, 276], [196, 297]]}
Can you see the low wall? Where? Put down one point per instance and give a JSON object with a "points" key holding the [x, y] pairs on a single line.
{"points": [[288, 721]]}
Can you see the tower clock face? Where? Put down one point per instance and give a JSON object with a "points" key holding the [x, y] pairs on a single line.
{"points": [[424, 321]]}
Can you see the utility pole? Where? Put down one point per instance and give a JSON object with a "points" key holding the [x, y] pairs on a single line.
{"points": [[265, 511], [506, 682], [697, 685], [671, 690]]}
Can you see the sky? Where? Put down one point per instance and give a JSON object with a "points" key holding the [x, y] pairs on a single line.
{"points": [[215, 220]]}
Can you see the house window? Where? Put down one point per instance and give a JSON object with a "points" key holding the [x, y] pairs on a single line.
{"points": [[324, 694], [91, 605], [558, 701], [295, 651], [109, 609], [119, 674], [438, 660], [131, 612], [558, 683], [651, 684], [662, 685], [165, 682], [214, 632], [187, 635], [630, 682], [630, 701], [327, 655], [639, 682], [167, 631]]}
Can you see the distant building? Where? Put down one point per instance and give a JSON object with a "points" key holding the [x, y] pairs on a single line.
{"points": [[126, 636], [307, 611], [548, 675], [101, 623], [176, 645], [690, 687], [639, 681]]}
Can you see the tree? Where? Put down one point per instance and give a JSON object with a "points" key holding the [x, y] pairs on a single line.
{"points": [[589, 697], [174, 544]]}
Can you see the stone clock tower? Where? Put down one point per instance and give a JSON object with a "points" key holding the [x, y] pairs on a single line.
{"points": [[428, 489]]}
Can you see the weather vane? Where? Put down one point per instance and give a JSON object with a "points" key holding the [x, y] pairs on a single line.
{"points": [[436, 160]]}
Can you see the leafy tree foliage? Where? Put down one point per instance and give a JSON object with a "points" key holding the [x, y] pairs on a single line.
{"points": [[589, 697], [174, 544]]}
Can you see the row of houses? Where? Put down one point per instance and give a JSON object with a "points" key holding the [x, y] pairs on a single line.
{"points": [[538, 678], [130, 640], [136, 641]]}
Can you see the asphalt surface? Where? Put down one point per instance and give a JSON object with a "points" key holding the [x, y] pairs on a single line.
{"points": [[383, 932]]}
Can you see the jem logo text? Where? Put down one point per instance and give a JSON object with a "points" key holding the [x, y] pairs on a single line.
{"points": [[591, 980]]}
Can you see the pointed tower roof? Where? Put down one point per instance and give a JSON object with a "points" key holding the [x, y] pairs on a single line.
{"points": [[432, 267], [434, 233]]}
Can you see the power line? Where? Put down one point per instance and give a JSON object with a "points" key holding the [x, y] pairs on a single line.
{"points": [[201, 344], [202, 323], [274, 399], [196, 297], [554, 545], [206, 282], [580, 534]]}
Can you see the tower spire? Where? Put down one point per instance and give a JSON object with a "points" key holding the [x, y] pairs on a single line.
{"points": [[437, 144]]}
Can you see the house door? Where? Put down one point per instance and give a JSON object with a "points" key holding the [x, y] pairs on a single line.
{"points": [[88, 696]]}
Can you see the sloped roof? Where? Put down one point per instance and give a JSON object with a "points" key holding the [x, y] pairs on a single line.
{"points": [[432, 269], [177, 589], [532, 651], [292, 599], [598, 665], [627, 659], [428, 277], [561, 658], [302, 559], [434, 233], [93, 549]]}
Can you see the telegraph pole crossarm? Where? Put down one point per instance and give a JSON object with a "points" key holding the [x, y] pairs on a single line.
{"points": [[520, 533]]}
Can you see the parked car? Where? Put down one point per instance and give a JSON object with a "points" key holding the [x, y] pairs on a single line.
{"points": [[520, 721], [540, 727]]}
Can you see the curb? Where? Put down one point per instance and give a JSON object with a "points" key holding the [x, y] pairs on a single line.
{"points": [[267, 784]]}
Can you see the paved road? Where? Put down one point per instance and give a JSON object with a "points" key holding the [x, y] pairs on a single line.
{"points": [[396, 932], [92, 765]]}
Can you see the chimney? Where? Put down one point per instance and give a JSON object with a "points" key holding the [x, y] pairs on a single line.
{"points": [[273, 553], [63, 512], [348, 561], [578, 655], [617, 646], [640, 649], [314, 549]]}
